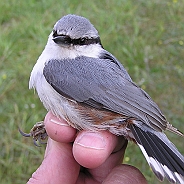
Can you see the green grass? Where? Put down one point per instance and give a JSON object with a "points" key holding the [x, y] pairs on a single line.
{"points": [[146, 36]]}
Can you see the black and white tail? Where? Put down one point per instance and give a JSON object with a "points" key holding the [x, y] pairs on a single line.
{"points": [[162, 156]]}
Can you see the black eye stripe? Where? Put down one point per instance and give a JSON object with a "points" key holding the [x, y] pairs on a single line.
{"points": [[85, 41], [79, 41]]}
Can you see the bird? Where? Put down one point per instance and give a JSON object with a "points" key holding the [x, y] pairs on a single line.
{"points": [[78, 80]]}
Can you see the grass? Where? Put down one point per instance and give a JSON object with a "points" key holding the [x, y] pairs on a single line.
{"points": [[146, 36]]}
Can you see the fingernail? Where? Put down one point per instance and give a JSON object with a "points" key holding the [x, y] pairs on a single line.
{"points": [[92, 140], [59, 122]]}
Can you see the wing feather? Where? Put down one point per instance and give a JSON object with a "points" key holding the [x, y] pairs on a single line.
{"points": [[103, 82]]}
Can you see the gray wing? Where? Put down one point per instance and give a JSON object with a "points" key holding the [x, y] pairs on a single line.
{"points": [[102, 83]]}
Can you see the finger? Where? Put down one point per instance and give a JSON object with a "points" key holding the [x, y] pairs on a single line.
{"points": [[58, 129], [125, 174], [91, 149], [58, 166], [116, 158]]}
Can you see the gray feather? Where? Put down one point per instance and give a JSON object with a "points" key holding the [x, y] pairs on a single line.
{"points": [[76, 27], [103, 82]]}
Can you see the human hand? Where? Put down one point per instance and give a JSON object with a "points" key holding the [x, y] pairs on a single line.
{"points": [[84, 157]]}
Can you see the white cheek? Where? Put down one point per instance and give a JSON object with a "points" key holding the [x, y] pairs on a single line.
{"points": [[54, 51], [93, 50]]}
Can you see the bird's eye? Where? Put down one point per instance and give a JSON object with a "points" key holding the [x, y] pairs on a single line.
{"points": [[82, 41]]}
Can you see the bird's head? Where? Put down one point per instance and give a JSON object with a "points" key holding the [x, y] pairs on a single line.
{"points": [[73, 30]]}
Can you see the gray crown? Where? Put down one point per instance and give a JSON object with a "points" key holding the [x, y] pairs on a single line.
{"points": [[75, 27]]}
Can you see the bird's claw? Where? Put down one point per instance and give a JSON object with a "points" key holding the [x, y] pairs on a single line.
{"points": [[38, 133]]}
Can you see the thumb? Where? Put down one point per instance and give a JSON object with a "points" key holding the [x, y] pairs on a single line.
{"points": [[58, 159]]}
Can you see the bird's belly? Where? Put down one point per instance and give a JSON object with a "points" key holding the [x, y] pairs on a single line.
{"points": [[100, 119], [78, 115]]}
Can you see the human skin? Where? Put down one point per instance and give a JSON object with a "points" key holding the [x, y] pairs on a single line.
{"points": [[83, 157]]}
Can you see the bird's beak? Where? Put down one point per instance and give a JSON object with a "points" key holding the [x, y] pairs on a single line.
{"points": [[62, 40]]}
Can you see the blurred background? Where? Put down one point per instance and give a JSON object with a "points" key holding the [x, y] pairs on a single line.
{"points": [[146, 36]]}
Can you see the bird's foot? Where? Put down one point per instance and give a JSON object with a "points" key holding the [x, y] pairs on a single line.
{"points": [[38, 133]]}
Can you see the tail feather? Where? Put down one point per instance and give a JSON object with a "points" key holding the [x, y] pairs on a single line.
{"points": [[162, 156], [174, 160]]}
